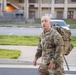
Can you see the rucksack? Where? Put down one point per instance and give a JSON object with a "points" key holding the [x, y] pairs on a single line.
{"points": [[66, 35]]}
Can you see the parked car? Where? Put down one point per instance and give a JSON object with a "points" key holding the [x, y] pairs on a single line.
{"points": [[61, 23]]}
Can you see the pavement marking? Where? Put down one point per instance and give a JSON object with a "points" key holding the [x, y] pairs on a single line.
{"points": [[11, 33], [2, 27], [22, 28]]}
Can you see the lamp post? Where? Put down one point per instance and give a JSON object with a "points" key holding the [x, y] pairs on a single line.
{"points": [[1, 7], [49, 11], [49, 7]]}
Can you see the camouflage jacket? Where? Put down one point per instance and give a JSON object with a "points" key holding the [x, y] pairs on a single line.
{"points": [[50, 47]]}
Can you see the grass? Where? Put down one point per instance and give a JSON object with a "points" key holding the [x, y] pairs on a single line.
{"points": [[10, 54], [23, 40], [74, 41], [18, 40]]}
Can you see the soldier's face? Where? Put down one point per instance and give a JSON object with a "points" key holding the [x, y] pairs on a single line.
{"points": [[45, 23]]}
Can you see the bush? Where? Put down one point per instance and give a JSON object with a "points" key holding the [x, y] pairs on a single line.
{"points": [[37, 20]]}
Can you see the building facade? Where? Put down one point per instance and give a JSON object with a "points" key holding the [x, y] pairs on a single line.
{"points": [[61, 9]]}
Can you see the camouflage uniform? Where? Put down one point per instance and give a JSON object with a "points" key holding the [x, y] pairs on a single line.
{"points": [[50, 48]]}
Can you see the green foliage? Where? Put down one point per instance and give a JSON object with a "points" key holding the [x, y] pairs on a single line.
{"points": [[37, 23], [71, 22], [38, 20], [11, 54]]}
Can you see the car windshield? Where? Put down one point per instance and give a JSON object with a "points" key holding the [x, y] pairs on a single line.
{"points": [[60, 23]]}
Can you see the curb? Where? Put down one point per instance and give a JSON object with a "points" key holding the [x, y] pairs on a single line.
{"points": [[15, 62]]}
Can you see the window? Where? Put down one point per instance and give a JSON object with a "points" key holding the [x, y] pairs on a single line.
{"points": [[60, 14], [73, 0], [56, 1], [21, 1], [31, 14], [59, 1], [31, 6], [70, 14], [31, 1]]}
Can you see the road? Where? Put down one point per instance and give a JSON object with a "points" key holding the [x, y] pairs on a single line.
{"points": [[17, 70], [20, 31], [24, 70], [25, 31]]}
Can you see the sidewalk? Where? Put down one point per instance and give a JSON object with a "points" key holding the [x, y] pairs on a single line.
{"points": [[26, 57], [28, 53]]}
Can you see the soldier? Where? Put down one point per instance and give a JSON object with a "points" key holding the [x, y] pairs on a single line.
{"points": [[50, 47]]}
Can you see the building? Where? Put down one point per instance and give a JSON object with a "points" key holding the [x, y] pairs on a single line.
{"points": [[61, 9]]}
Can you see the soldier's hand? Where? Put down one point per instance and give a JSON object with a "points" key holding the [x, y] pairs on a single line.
{"points": [[35, 62], [51, 65]]}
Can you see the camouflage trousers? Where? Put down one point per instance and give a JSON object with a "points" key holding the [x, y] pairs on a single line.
{"points": [[44, 70]]}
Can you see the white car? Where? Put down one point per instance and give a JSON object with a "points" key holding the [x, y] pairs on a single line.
{"points": [[61, 23]]}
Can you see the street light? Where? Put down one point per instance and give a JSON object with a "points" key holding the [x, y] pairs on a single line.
{"points": [[49, 7]]}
